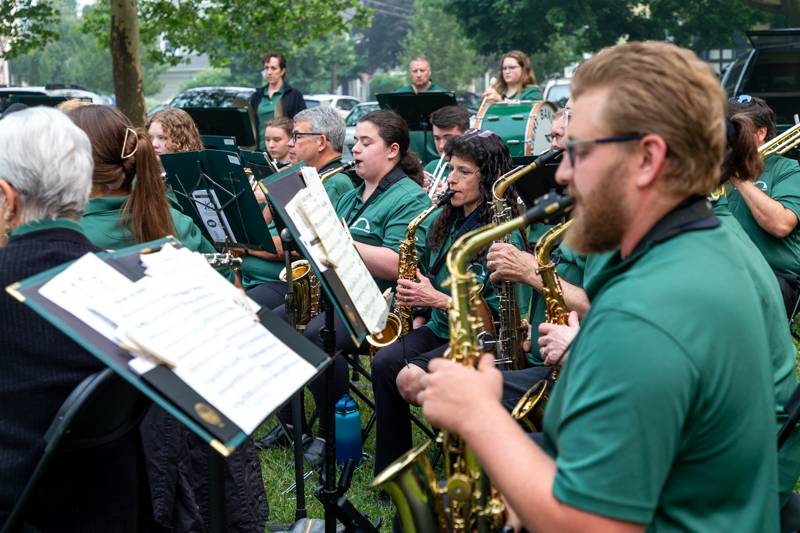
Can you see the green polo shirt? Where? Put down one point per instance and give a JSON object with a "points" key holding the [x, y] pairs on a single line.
{"points": [[102, 224], [664, 413], [438, 322], [531, 92], [266, 112], [39, 225], [782, 352], [385, 219], [338, 184], [433, 88], [256, 270], [781, 181]]}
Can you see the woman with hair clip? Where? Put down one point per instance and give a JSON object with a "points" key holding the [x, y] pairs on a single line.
{"points": [[173, 130], [377, 214], [128, 205], [120, 214], [516, 80]]}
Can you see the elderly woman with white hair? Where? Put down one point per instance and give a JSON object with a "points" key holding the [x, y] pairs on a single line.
{"points": [[45, 180]]}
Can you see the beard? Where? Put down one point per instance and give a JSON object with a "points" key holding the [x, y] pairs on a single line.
{"points": [[599, 224]]}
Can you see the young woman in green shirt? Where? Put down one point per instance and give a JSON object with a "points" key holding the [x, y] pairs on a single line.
{"points": [[516, 80]]}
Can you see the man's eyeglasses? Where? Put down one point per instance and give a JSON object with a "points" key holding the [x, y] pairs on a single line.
{"points": [[571, 145], [296, 134]]}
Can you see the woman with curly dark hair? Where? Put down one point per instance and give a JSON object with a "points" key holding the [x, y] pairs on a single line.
{"points": [[477, 159], [173, 130]]}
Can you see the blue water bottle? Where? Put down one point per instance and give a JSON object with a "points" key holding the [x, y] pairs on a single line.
{"points": [[348, 430]]}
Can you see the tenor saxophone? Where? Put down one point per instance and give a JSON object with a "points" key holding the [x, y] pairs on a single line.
{"points": [[511, 328], [530, 408], [398, 322], [465, 501]]}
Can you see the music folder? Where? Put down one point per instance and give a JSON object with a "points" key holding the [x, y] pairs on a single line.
{"points": [[225, 121], [213, 188], [159, 316], [300, 204]]}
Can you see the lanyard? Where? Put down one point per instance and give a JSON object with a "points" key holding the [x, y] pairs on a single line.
{"points": [[394, 175]]}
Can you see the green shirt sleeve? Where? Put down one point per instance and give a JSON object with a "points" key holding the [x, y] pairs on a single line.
{"points": [[397, 222], [532, 92], [337, 185], [786, 188], [617, 438]]}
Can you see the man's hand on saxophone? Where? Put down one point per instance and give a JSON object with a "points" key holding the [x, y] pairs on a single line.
{"points": [[508, 263], [554, 340]]}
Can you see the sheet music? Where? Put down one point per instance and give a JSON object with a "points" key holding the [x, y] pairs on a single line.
{"points": [[184, 313], [215, 220], [318, 213]]}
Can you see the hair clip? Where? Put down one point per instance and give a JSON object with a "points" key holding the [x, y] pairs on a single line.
{"points": [[125, 141]]}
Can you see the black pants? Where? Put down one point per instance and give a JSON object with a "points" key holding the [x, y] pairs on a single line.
{"points": [[270, 295], [517, 382], [393, 415], [790, 290], [344, 344]]}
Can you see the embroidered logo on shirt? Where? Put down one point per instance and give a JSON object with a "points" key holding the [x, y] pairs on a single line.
{"points": [[761, 185], [361, 224]]}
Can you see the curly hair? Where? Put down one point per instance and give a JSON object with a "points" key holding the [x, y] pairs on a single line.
{"points": [[179, 128], [485, 150]]}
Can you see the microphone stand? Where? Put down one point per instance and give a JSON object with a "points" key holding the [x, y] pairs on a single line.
{"points": [[297, 404]]}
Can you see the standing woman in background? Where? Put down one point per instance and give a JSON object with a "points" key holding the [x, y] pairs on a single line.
{"points": [[275, 99], [515, 81]]}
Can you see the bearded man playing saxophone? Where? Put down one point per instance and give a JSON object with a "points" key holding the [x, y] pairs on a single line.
{"points": [[664, 413]]}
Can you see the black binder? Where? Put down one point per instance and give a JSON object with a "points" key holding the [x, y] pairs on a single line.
{"points": [[160, 384]]}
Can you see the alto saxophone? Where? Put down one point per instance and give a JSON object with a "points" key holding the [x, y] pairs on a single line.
{"points": [[305, 283], [225, 260], [398, 322], [512, 328], [530, 408], [465, 501]]}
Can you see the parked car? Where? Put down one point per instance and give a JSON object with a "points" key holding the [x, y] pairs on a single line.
{"points": [[213, 97], [350, 122], [771, 70], [468, 101], [557, 90], [343, 103], [28, 95]]}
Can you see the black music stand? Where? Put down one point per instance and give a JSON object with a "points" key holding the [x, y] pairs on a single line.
{"points": [[225, 121], [538, 182], [416, 110], [211, 186], [219, 142]]}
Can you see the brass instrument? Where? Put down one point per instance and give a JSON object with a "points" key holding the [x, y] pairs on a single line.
{"points": [[780, 144], [341, 168], [466, 501], [398, 321], [225, 260], [512, 328], [530, 408], [438, 175]]}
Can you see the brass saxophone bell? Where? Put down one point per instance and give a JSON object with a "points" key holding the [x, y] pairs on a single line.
{"points": [[389, 334]]}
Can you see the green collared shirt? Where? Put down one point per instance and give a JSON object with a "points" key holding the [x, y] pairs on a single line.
{"points": [[266, 112], [39, 225], [531, 92], [666, 402], [433, 88]]}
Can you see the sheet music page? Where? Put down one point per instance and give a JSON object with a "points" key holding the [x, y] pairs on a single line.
{"points": [[81, 288], [318, 212], [217, 347], [307, 235]]}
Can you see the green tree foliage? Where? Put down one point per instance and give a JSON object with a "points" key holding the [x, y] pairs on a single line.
{"points": [[25, 26], [385, 83], [74, 58], [436, 33], [321, 65], [499, 25], [379, 45]]}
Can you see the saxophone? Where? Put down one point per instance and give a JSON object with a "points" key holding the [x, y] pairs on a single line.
{"points": [[305, 283], [530, 408], [465, 501], [512, 328], [224, 260], [398, 322]]}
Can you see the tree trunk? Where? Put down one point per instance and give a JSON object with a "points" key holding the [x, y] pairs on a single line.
{"points": [[125, 61]]}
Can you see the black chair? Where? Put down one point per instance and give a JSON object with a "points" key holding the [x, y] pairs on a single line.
{"points": [[100, 410]]}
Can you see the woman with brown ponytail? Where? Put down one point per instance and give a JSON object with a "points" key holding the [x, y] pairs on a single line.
{"points": [[128, 203]]}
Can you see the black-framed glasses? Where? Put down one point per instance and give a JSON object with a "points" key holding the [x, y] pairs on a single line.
{"points": [[571, 145], [742, 99], [296, 134]]}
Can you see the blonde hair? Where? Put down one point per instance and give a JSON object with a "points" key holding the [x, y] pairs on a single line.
{"points": [[659, 88]]}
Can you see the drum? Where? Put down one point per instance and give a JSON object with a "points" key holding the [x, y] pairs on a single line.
{"points": [[523, 126]]}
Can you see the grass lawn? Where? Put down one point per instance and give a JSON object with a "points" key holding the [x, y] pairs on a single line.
{"points": [[277, 469]]}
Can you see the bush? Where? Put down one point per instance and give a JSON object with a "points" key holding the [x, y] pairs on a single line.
{"points": [[385, 83]]}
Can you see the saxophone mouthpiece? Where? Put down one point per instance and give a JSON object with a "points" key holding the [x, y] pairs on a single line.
{"points": [[547, 206], [350, 165], [444, 198], [548, 156]]}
